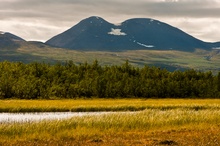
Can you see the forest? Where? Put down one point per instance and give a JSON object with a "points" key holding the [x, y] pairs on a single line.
{"points": [[68, 80]]}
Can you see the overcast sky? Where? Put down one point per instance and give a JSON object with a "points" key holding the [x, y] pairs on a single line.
{"points": [[42, 19]]}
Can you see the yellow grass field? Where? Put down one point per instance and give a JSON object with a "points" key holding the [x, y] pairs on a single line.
{"points": [[81, 105], [181, 122]]}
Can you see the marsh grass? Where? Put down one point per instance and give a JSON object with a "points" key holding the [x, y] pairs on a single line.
{"points": [[153, 122], [98, 127], [93, 105]]}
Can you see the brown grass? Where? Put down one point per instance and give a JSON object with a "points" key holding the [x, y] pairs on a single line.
{"points": [[192, 123], [181, 137]]}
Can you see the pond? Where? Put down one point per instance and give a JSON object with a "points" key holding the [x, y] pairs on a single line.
{"points": [[31, 117]]}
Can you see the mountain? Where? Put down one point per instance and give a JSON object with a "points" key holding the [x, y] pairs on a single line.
{"points": [[141, 41], [96, 34], [14, 48], [9, 41]]}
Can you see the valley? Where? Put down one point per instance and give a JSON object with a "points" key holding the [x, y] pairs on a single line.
{"points": [[109, 73], [141, 41], [168, 59]]}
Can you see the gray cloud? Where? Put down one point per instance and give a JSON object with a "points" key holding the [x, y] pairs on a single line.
{"points": [[50, 17]]}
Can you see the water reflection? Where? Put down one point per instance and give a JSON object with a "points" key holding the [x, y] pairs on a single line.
{"points": [[30, 117]]}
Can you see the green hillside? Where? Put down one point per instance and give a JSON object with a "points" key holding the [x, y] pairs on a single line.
{"points": [[172, 60]]}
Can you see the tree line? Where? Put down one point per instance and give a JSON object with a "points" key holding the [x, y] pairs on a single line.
{"points": [[68, 80]]}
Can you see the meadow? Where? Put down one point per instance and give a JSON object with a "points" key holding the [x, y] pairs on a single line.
{"points": [[169, 59], [154, 122], [94, 105]]}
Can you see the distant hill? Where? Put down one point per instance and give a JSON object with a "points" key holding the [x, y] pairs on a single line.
{"points": [[14, 48], [9, 41], [96, 34]]}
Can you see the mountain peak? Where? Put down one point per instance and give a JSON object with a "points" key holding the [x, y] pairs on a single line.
{"points": [[94, 20], [1, 32], [13, 37], [95, 33], [10, 36], [142, 21], [9, 41]]}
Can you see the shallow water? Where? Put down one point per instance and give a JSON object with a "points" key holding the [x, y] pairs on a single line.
{"points": [[31, 117]]}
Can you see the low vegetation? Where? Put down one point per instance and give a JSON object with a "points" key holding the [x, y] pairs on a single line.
{"points": [[94, 105], [185, 122], [171, 59], [92, 87], [202, 60], [45, 81]]}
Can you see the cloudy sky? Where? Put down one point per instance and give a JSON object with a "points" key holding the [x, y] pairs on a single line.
{"points": [[42, 19]]}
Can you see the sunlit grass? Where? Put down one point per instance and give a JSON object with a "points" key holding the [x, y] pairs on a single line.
{"points": [[181, 121], [80, 105], [108, 128]]}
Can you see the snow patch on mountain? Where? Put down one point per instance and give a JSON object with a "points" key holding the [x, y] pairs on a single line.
{"points": [[1, 32], [147, 46], [216, 48], [116, 32]]}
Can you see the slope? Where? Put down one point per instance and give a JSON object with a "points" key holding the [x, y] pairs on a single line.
{"points": [[96, 34]]}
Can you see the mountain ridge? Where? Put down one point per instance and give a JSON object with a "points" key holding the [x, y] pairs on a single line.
{"points": [[96, 34], [138, 50]]}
